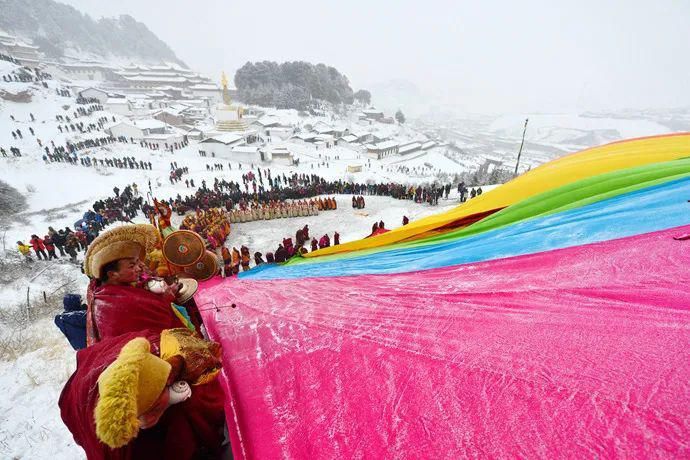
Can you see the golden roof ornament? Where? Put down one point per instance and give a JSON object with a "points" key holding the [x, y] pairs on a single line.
{"points": [[226, 92]]}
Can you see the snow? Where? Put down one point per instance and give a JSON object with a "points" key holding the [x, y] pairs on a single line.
{"points": [[150, 123], [226, 138], [7, 67], [560, 127], [30, 423], [58, 194]]}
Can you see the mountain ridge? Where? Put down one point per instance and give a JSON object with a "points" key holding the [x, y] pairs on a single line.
{"points": [[57, 28]]}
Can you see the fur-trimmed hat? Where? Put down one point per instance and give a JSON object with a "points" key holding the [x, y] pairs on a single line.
{"points": [[119, 243], [127, 389]]}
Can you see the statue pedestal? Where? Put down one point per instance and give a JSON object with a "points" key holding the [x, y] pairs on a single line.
{"points": [[228, 119]]}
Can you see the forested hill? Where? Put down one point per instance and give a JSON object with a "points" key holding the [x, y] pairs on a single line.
{"points": [[57, 27], [291, 85]]}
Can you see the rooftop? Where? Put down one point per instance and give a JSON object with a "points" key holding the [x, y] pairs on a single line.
{"points": [[227, 138], [149, 123]]}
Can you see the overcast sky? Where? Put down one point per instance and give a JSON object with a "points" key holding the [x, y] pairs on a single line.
{"points": [[488, 55]]}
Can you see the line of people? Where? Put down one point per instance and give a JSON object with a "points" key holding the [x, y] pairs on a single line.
{"points": [[465, 193], [122, 207], [65, 240]]}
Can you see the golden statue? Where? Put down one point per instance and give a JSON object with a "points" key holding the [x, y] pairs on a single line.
{"points": [[226, 92]]}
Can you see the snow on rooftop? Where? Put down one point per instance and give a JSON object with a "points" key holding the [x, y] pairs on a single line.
{"points": [[149, 123], [161, 137], [161, 79], [383, 145], [349, 138], [245, 149], [227, 138], [268, 121], [324, 129], [205, 86], [410, 147], [117, 100]]}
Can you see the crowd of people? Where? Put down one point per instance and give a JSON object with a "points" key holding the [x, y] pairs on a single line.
{"points": [[121, 207], [176, 173], [24, 76], [379, 227], [212, 225], [302, 244], [265, 188], [288, 196], [464, 192]]}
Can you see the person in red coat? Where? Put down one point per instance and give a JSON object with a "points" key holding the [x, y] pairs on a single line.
{"points": [[39, 247], [50, 247], [81, 238]]}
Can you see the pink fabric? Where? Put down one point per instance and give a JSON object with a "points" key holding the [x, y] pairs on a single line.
{"points": [[575, 353]]}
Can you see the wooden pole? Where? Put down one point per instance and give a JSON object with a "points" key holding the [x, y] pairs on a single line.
{"points": [[521, 144]]}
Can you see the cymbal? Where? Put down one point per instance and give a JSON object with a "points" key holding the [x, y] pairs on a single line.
{"points": [[188, 289], [205, 268], [183, 248]]}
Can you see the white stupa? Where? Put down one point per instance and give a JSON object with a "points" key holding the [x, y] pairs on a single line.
{"points": [[229, 117]]}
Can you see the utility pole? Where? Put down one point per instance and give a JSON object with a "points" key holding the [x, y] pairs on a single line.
{"points": [[521, 144]]}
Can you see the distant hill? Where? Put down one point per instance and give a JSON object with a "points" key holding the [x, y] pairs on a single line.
{"points": [[58, 29]]}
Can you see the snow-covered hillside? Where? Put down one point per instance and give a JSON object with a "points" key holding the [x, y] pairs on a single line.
{"points": [[35, 360]]}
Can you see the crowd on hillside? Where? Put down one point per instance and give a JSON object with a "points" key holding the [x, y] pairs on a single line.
{"points": [[68, 152], [8, 58], [120, 207], [25, 76]]}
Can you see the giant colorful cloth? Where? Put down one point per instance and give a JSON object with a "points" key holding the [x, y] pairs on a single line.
{"points": [[556, 326]]}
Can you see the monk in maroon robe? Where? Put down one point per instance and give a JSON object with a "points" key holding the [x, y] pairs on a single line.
{"points": [[118, 312], [188, 430]]}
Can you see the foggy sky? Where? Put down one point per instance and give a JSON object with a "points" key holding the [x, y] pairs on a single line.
{"points": [[483, 56]]}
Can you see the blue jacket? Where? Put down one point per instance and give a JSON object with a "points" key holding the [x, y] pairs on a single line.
{"points": [[72, 321]]}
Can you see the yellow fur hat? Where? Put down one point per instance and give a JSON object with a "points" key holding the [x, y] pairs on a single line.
{"points": [[128, 388], [119, 243]]}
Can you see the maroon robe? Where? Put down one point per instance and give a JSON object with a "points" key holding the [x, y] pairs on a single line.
{"points": [[120, 314], [115, 310]]}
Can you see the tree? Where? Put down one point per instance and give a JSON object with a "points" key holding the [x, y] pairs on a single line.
{"points": [[294, 85], [400, 116], [363, 96]]}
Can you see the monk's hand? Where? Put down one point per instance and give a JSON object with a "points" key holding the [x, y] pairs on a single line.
{"points": [[176, 368], [173, 289]]}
